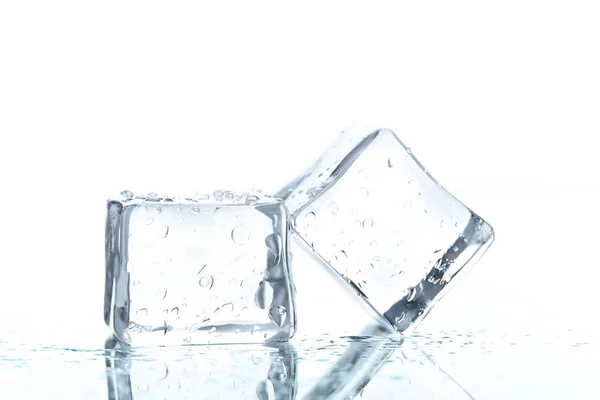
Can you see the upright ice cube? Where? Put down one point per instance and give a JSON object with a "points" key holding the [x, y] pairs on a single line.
{"points": [[382, 222], [210, 269]]}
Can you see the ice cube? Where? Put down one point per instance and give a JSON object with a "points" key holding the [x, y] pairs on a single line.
{"points": [[370, 210], [208, 269]]}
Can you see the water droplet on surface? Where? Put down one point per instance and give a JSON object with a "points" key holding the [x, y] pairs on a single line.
{"points": [[164, 231], [149, 221], [251, 199], [399, 318], [206, 282], [227, 307], [363, 173], [441, 223], [341, 255], [212, 330], [374, 244], [465, 240], [367, 223], [142, 312], [273, 243], [240, 234], [264, 295], [158, 209], [408, 150], [127, 195], [136, 282], [265, 390], [412, 295], [313, 192], [196, 210], [456, 224], [455, 248], [175, 310], [218, 194], [161, 293], [332, 208], [152, 196], [278, 314], [392, 161], [309, 217], [229, 195]]}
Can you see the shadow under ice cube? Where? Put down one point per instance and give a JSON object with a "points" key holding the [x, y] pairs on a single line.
{"points": [[376, 216], [210, 270]]}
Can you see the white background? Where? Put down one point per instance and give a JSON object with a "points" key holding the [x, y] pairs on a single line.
{"points": [[499, 100]]}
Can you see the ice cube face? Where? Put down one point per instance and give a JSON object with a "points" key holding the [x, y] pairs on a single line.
{"points": [[380, 220], [210, 270]]}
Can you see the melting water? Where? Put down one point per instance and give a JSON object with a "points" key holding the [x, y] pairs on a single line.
{"points": [[488, 365]]}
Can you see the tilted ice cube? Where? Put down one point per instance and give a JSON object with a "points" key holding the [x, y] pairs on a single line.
{"points": [[213, 269], [381, 221]]}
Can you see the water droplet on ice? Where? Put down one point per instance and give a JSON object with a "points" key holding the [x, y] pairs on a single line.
{"points": [[264, 295], [251, 199], [149, 221], [127, 195], [367, 223], [399, 318], [278, 314], [455, 248], [240, 234]]}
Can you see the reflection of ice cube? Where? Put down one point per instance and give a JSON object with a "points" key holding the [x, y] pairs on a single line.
{"points": [[381, 221], [204, 270], [210, 372]]}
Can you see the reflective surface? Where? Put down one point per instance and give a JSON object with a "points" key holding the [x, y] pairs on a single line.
{"points": [[489, 364], [309, 368]]}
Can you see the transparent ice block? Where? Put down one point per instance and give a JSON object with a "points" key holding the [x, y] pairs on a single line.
{"points": [[212, 269], [377, 217]]}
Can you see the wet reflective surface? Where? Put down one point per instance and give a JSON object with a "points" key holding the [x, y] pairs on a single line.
{"points": [[436, 365]]}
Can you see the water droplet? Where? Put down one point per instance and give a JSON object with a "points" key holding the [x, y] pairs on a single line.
{"points": [[161, 293], [205, 281], [313, 192], [278, 314], [412, 295], [392, 161], [399, 318], [465, 240], [309, 217], [196, 210], [408, 150], [152, 196], [455, 248], [229, 195], [255, 328], [363, 173], [227, 307], [332, 208], [240, 234], [273, 243], [164, 232], [362, 192], [264, 295], [441, 223], [265, 390], [158, 209], [149, 221], [175, 310], [367, 223], [251, 199], [212, 330], [136, 282], [142, 312], [218, 194], [341, 255], [374, 244], [126, 195]]}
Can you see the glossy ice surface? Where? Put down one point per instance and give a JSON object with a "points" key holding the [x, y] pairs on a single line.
{"points": [[372, 212], [213, 269]]}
